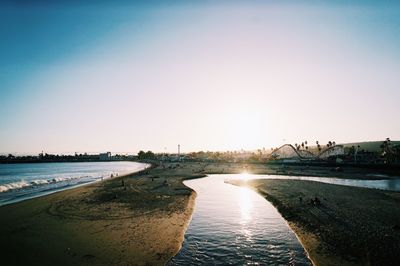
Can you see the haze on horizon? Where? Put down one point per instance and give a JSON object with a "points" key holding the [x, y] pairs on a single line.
{"points": [[209, 75]]}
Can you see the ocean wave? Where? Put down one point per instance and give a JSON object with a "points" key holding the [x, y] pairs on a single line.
{"points": [[38, 182], [12, 186]]}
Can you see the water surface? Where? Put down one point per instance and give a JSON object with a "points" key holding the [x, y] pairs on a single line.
{"points": [[236, 226], [392, 184], [27, 180]]}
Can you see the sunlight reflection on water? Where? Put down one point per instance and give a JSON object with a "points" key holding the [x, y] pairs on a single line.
{"points": [[245, 203], [236, 226]]}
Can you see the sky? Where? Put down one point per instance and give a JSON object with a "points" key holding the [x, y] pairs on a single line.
{"points": [[121, 76]]}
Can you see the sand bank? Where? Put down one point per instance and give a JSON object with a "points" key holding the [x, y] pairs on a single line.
{"points": [[141, 223], [351, 226], [105, 223]]}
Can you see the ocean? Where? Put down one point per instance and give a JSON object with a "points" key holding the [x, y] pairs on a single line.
{"points": [[23, 181]]}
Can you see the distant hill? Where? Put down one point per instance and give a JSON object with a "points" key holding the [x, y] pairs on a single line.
{"points": [[370, 145]]}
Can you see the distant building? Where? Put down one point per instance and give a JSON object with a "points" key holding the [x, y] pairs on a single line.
{"points": [[105, 156]]}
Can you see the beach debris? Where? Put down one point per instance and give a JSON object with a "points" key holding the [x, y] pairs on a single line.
{"points": [[88, 256], [315, 201], [339, 169]]}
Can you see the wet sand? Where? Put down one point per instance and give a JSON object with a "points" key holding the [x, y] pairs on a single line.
{"points": [[141, 223], [103, 223], [351, 226]]}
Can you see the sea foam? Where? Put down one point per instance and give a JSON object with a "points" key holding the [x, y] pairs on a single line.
{"points": [[39, 182]]}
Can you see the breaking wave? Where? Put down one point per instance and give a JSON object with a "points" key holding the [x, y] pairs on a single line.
{"points": [[39, 182]]}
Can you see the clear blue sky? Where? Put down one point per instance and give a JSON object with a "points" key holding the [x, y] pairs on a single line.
{"points": [[210, 75]]}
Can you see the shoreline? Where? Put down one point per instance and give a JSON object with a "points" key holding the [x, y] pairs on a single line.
{"points": [[56, 190], [345, 229], [142, 222], [138, 219]]}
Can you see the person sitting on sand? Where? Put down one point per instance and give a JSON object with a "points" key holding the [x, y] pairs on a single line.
{"points": [[317, 201]]}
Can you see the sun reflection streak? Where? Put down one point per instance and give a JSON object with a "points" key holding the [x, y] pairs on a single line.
{"points": [[245, 204]]}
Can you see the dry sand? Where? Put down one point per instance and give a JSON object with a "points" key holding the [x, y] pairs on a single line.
{"points": [[142, 223], [351, 226], [100, 224]]}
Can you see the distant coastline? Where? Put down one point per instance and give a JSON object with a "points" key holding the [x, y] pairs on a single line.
{"points": [[50, 158]]}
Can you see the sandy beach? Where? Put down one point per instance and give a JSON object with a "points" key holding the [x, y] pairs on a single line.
{"points": [[351, 226], [141, 219], [141, 223]]}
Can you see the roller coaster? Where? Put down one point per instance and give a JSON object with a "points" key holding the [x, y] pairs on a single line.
{"points": [[288, 151]]}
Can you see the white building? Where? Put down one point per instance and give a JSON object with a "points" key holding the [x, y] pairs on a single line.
{"points": [[105, 156]]}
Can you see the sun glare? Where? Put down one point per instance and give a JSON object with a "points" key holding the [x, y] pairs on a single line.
{"points": [[245, 204], [244, 176]]}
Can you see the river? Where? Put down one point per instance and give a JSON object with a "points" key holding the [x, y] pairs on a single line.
{"points": [[236, 226]]}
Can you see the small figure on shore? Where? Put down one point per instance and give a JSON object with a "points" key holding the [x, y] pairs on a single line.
{"points": [[112, 175], [300, 199], [317, 201], [123, 183]]}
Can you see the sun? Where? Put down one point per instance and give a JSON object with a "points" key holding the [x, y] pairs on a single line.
{"points": [[244, 176]]}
